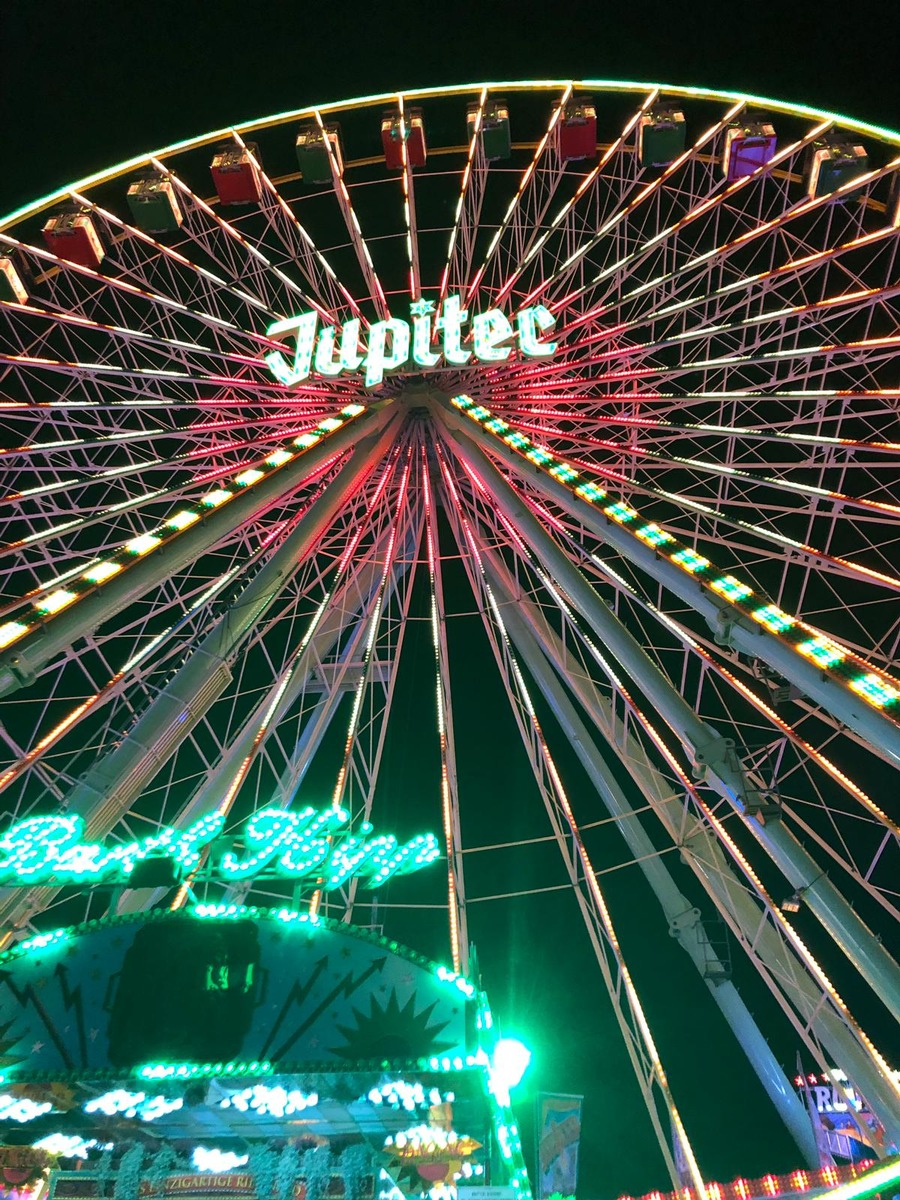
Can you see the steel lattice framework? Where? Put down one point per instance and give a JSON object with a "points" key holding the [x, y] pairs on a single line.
{"points": [[680, 531]]}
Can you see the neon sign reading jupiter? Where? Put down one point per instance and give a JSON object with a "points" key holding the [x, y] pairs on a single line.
{"points": [[423, 343]]}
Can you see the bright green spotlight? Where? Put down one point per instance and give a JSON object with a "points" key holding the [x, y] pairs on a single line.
{"points": [[511, 1059]]}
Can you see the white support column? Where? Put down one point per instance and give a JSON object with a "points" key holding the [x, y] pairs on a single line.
{"points": [[456, 887], [20, 664], [684, 920], [749, 637], [710, 752], [817, 1014], [106, 792]]}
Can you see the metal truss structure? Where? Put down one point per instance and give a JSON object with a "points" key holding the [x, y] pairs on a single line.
{"points": [[724, 392]]}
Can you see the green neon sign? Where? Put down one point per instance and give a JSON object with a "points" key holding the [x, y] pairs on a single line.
{"points": [[395, 344], [308, 844]]}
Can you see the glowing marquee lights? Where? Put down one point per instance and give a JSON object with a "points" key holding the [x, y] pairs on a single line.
{"points": [[881, 692], [292, 845], [395, 343]]}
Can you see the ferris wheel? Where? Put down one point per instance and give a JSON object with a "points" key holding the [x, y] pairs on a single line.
{"points": [[623, 356]]}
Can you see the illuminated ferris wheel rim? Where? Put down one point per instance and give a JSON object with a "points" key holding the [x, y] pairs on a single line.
{"points": [[675, 91]]}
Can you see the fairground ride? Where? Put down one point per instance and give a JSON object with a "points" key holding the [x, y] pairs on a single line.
{"points": [[622, 355]]}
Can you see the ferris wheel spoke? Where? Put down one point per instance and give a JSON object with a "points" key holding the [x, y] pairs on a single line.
{"points": [[708, 268], [409, 209], [135, 672], [766, 762], [598, 454], [567, 276], [318, 681], [724, 774], [356, 776], [700, 220], [358, 773], [450, 811], [115, 517], [40, 332], [800, 986], [58, 618], [354, 228], [231, 455], [874, 634], [158, 267], [601, 191], [238, 257], [717, 370], [353, 592], [730, 299], [525, 214], [731, 673], [644, 1056], [299, 249], [109, 789], [613, 526], [582, 417], [69, 287], [461, 245], [72, 448], [753, 333]]}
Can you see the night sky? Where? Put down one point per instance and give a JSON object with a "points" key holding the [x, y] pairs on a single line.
{"points": [[88, 84]]}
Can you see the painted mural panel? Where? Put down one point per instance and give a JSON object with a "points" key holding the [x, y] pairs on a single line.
{"points": [[205, 987]]}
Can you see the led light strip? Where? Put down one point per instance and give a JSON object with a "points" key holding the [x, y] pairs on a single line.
{"points": [[443, 715], [582, 188], [624, 213], [461, 199], [374, 621], [604, 918], [53, 601], [669, 428], [714, 468], [688, 640], [409, 209], [243, 768], [353, 226], [690, 788], [218, 281], [718, 197], [793, 267], [877, 689], [555, 115], [722, 251], [308, 242]]}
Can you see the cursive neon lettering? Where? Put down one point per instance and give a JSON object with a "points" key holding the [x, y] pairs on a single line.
{"points": [[423, 343], [307, 844]]}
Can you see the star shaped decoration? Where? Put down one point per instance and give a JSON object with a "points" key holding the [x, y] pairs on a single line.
{"points": [[422, 308], [37, 1047]]}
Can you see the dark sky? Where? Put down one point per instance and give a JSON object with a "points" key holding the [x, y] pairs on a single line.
{"points": [[87, 84], [90, 83]]}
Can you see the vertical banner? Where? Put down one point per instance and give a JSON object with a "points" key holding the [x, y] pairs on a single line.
{"points": [[558, 1138]]}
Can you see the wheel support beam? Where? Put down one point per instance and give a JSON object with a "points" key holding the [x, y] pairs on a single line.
{"points": [[711, 753]]}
